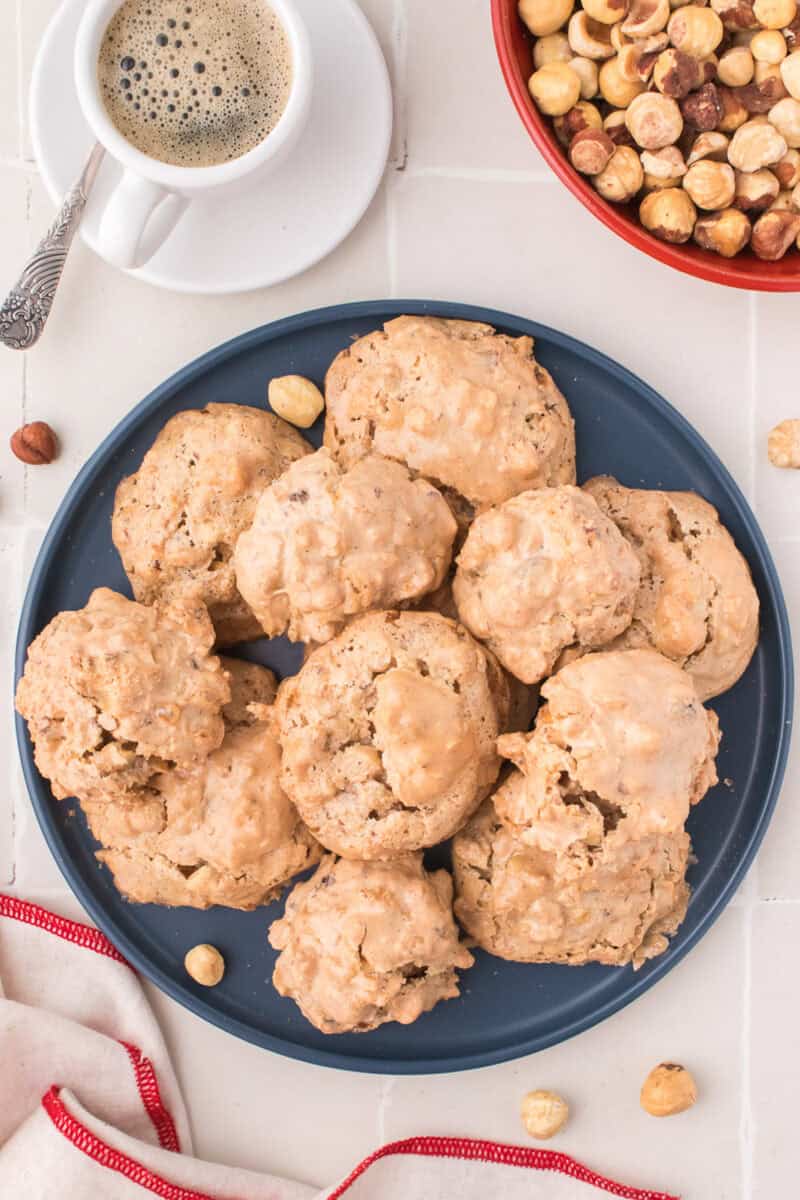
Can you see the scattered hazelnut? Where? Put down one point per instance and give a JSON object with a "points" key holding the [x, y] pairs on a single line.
{"points": [[586, 70], [589, 39], [711, 185], [614, 87], [35, 444], [756, 145], [669, 214], [695, 30], [709, 145], [783, 444], [785, 116], [654, 121], [617, 130], [725, 232], [774, 14], [703, 108], [734, 112], [205, 964], [622, 178], [543, 1113], [755, 190], [773, 234], [675, 73], [545, 16], [296, 399], [787, 170], [607, 12], [736, 67], [583, 115], [790, 74], [590, 151], [553, 48], [646, 17], [768, 46], [668, 1089]]}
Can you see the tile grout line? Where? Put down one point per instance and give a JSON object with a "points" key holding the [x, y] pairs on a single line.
{"points": [[482, 174], [384, 1101], [399, 54], [747, 1120]]}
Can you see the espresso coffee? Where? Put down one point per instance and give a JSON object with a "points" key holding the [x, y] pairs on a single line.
{"points": [[195, 84]]}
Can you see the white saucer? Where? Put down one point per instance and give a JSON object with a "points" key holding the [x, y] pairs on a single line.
{"points": [[275, 226]]}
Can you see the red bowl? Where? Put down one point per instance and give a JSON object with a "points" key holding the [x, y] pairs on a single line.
{"points": [[745, 271]]}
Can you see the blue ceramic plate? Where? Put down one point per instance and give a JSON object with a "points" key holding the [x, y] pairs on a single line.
{"points": [[505, 1009]]}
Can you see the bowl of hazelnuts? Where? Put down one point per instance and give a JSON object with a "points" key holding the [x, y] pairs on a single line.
{"points": [[675, 122]]}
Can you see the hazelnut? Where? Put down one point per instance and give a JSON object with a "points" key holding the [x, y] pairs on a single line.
{"points": [[587, 38], [725, 232], [755, 190], [35, 444], [622, 178], [614, 87], [790, 74], [668, 1089], [555, 88], [590, 151], [553, 48], [545, 16], [792, 34], [582, 116], [628, 62], [783, 202], [785, 117], [703, 108], [735, 14], [734, 112], [709, 145], [646, 17], [759, 96], [710, 184], [736, 67], [774, 14], [663, 164], [788, 170], [796, 197], [770, 73], [607, 12], [586, 70], [617, 130], [668, 214], [205, 964], [783, 444], [768, 46], [654, 121], [296, 399], [543, 1113], [694, 30], [774, 233], [618, 38], [675, 73], [756, 145]]}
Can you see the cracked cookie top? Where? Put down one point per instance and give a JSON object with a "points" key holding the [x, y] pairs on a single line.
{"points": [[176, 520], [115, 691], [612, 903], [327, 544], [696, 602], [388, 733], [220, 832], [543, 571], [621, 750], [363, 943], [466, 407]]}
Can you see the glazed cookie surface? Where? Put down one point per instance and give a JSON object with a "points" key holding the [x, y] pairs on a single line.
{"points": [[543, 571], [466, 407], [327, 544], [362, 943], [620, 751], [615, 904], [116, 690], [177, 519], [696, 603], [220, 832], [388, 733]]}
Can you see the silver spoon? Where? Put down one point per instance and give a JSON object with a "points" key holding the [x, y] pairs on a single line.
{"points": [[27, 306]]}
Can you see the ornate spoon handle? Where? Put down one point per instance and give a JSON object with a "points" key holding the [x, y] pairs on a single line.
{"points": [[27, 306]]}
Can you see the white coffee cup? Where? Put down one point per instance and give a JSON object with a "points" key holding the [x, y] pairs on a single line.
{"points": [[151, 196]]}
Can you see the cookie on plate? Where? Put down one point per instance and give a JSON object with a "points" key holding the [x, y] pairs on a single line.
{"points": [[116, 691], [620, 750], [363, 943], [220, 832], [327, 544], [543, 571], [388, 733], [176, 520], [468, 408], [696, 603], [615, 903]]}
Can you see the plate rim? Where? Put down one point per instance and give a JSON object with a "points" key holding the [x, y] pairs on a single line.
{"points": [[385, 310]]}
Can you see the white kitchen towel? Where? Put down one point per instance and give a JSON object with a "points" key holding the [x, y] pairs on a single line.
{"points": [[90, 1106]]}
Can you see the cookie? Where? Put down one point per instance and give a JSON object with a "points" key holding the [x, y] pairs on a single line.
{"points": [[220, 832], [177, 519], [696, 603], [115, 691], [327, 544], [468, 408], [615, 903], [363, 943], [543, 571], [620, 751], [388, 734]]}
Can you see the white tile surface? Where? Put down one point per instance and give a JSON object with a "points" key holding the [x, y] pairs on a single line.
{"points": [[467, 213]]}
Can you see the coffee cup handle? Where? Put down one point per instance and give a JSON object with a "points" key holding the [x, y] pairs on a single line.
{"points": [[137, 219]]}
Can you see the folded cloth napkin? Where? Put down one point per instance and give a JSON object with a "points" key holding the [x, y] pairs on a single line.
{"points": [[90, 1106]]}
